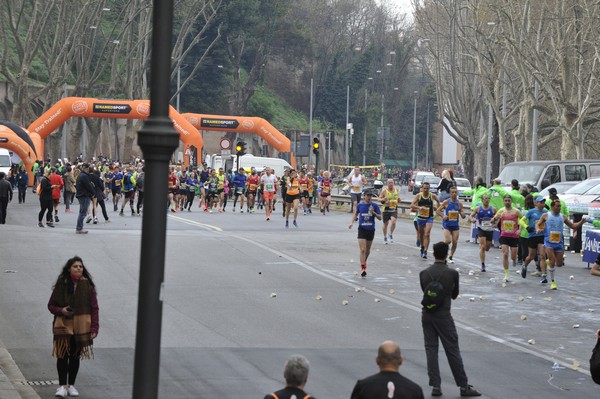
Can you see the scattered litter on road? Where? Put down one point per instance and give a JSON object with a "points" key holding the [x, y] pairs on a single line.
{"points": [[521, 298], [392, 291], [575, 365], [547, 299], [573, 297], [344, 302], [273, 295], [531, 342], [571, 277], [557, 366], [523, 317], [259, 272], [377, 300], [471, 299], [10, 271], [591, 310], [318, 297], [575, 325], [503, 285], [458, 269], [529, 297], [471, 272]]}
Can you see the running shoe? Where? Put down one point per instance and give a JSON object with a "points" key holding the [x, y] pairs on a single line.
{"points": [[391, 238], [506, 279], [120, 214], [89, 218], [424, 254], [363, 270], [295, 224], [436, 391], [385, 241], [95, 220], [421, 253], [287, 224], [468, 390], [116, 208], [220, 210], [544, 280], [523, 271], [56, 219], [241, 211], [40, 224], [450, 260], [483, 268], [268, 219], [72, 391], [233, 209], [553, 285], [61, 392], [252, 210]]}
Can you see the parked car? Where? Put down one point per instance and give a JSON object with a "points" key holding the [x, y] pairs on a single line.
{"points": [[561, 188], [580, 195], [463, 185], [417, 180], [534, 172]]}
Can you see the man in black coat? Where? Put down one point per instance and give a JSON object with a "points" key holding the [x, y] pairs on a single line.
{"points": [[296, 376], [388, 383], [6, 194], [439, 325], [85, 191]]}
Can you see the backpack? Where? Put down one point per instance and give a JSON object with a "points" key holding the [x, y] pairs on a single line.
{"points": [[595, 363], [434, 294]]}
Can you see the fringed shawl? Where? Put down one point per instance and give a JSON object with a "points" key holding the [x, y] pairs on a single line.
{"points": [[78, 325]]}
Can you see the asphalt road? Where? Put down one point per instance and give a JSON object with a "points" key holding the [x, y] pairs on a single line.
{"points": [[241, 296]]}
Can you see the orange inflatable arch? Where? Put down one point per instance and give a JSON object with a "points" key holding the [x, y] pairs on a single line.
{"points": [[69, 107], [241, 124]]}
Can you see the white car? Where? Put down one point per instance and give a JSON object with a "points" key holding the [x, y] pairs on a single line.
{"points": [[463, 185], [580, 195]]}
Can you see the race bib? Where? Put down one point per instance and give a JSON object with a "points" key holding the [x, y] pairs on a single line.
{"points": [[486, 225], [239, 190], [356, 188], [393, 203], [453, 215], [117, 182], [555, 237], [326, 189], [252, 187], [304, 187], [424, 212], [269, 187], [508, 225]]}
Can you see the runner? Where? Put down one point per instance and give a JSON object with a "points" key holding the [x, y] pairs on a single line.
{"points": [[192, 185], [508, 217], [482, 216], [222, 182], [304, 184], [292, 198], [449, 210], [325, 192], [357, 182], [203, 179], [283, 185], [252, 187], [365, 213], [212, 191], [312, 191], [535, 240], [423, 205], [128, 191], [173, 190], [389, 197], [116, 178], [239, 187], [552, 225], [268, 183]]}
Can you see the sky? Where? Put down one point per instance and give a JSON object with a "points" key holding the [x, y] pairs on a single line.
{"points": [[402, 5]]}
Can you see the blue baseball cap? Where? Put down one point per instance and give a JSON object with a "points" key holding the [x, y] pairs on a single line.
{"points": [[540, 199]]}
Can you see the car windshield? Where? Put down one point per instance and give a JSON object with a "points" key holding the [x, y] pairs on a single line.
{"points": [[462, 183], [432, 180], [524, 173], [594, 190], [583, 187], [5, 161]]}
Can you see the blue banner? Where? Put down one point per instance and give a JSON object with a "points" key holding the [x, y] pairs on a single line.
{"points": [[591, 246]]}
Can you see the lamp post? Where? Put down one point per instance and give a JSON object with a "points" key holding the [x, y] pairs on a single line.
{"points": [[414, 149], [427, 140], [347, 141], [157, 139]]}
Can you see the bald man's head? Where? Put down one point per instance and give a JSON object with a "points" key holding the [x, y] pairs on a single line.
{"points": [[389, 356]]}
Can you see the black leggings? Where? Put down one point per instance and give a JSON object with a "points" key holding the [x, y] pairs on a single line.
{"points": [[68, 368], [46, 205], [140, 200], [190, 200]]}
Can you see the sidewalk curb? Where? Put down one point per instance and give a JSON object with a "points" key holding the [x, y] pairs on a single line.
{"points": [[9, 374]]}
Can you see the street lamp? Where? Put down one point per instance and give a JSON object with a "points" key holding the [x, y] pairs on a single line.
{"points": [[414, 152]]}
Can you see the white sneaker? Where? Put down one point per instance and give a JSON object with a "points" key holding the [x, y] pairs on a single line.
{"points": [[72, 391], [61, 392]]}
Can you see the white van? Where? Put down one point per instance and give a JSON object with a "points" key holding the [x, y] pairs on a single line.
{"points": [[534, 172], [5, 161], [248, 161]]}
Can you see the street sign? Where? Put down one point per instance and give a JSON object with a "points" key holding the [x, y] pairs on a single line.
{"points": [[225, 143], [225, 152]]}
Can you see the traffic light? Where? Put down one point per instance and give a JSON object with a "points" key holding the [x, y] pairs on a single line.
{"points": [[240, 148], [316, 146]]}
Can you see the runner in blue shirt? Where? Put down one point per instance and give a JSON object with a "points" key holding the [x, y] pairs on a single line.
{"points": [[366, 212], [449, 210]]}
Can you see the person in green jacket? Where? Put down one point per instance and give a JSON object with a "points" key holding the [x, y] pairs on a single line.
{"points": [[516, 195], [564, 209]]}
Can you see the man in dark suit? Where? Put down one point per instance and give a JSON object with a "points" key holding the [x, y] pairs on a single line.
{"points": [[388, 383], [439, 325]]}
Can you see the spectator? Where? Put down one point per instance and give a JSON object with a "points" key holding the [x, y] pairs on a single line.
{"points": [[85, 192], [388, 383], [6, 194], [439, 325], [296, 375], [596, 268], [22, 182]]}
